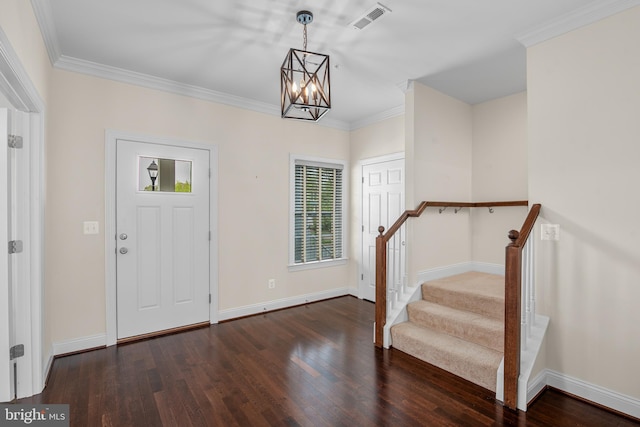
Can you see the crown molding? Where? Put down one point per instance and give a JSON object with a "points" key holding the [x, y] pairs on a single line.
{"points": [[151, 82], [384, 115], [405, 85], [586, 15], [44, 16]]}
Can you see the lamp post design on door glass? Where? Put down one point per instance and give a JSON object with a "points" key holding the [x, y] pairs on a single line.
{"points": [[153, 174]]}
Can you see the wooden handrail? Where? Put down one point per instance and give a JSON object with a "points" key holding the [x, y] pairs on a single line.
{"points": [[381, 253], [512, 310], [423, 205]]}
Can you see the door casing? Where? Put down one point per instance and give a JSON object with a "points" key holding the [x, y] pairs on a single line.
{"points": [[110, 221]]}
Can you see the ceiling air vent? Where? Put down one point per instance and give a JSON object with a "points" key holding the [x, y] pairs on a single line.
{"points": [[369, 16]]}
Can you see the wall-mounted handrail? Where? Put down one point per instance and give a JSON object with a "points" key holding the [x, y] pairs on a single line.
{"points": [[381, 252], [513, 306]]}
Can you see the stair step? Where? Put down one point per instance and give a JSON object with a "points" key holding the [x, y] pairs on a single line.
{"points": [[480, 293], [470, 361], [465, 325]]}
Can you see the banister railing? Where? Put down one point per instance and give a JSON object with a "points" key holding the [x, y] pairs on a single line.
{"points": [[519, 292], [381, 253]]}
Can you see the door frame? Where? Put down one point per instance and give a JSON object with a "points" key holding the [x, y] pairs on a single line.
{"points": [[361, 164], [18, 89], [111, 136]]}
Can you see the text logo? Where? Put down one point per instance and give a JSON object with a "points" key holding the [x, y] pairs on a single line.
{"points": [[34, 415]]}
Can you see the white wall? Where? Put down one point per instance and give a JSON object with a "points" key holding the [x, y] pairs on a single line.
{"points": [[499, 172], [584, 152], [439, 147], [253, 199]]}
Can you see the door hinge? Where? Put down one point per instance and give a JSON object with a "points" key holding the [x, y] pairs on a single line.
{"points": [[16, 351], [15, 141], [363, 179], [209, 235], [15, 246], [362, 277], [363, 228], [209, 172], [209, 298]]}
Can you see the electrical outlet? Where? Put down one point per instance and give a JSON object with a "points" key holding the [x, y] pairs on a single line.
{"points": [[272, 283], [91, 227], [550, 232]]}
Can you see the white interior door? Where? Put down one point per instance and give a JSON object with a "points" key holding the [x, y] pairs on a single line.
{"points": [[382, 204], [163, 238]]}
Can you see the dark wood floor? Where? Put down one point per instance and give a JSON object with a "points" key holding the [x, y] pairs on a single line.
{"points": [[312, 365]]}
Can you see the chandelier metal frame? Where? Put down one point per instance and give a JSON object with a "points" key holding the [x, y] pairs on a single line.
{"points": [[305, 85]]}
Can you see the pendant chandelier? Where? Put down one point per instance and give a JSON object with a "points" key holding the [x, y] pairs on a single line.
{"points": [[305, 92]]}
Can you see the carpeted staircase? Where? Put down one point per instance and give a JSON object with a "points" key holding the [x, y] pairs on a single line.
{"points": [[458, 326]]}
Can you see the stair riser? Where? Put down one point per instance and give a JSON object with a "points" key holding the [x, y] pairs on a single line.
{"points": [[464, 301], [482, 375], [479, 334]]}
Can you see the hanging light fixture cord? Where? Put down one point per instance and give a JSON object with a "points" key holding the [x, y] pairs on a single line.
{"points": [[304, 38]]}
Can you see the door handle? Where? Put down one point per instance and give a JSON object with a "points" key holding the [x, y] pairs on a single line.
{"points": [[123, 236], [124, 250]]}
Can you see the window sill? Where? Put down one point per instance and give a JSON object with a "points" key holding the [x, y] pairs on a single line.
{"points": [[318, 264]]}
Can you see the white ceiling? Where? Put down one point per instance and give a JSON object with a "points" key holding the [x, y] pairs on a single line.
{"points": [[232, 50]]}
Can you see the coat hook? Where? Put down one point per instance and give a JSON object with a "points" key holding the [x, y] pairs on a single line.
{"points": [[490, 210], [457, 210], [442, 209]]}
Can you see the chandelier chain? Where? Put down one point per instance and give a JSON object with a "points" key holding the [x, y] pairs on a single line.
{"points": [[304, 37]]}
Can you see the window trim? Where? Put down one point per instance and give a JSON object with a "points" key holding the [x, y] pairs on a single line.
{"points": [[323, 162]]}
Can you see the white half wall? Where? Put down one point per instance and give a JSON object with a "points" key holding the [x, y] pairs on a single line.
{"points": [[584, 130]]}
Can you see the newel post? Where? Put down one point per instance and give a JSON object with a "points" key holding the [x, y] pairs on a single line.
{"points": [[513, 279], [381, 287]]}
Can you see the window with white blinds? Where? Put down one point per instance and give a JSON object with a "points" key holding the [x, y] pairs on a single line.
{"points": [[318, 232]]}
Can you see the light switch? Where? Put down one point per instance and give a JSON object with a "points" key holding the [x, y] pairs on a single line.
{"points": [[91, 227], [550, 232]]}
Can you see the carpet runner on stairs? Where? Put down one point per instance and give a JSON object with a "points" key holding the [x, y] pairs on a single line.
{"points": [[457, 326]]}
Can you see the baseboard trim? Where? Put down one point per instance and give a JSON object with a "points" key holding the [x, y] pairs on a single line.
{"points": [[47, 369], [462, 267], [486, 267], [79, 344], [279, 304], [100, 340], [593, 393], [536, 386]]}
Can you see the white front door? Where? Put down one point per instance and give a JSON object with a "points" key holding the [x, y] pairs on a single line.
{"points": [[382, 204], [163, 238]]}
